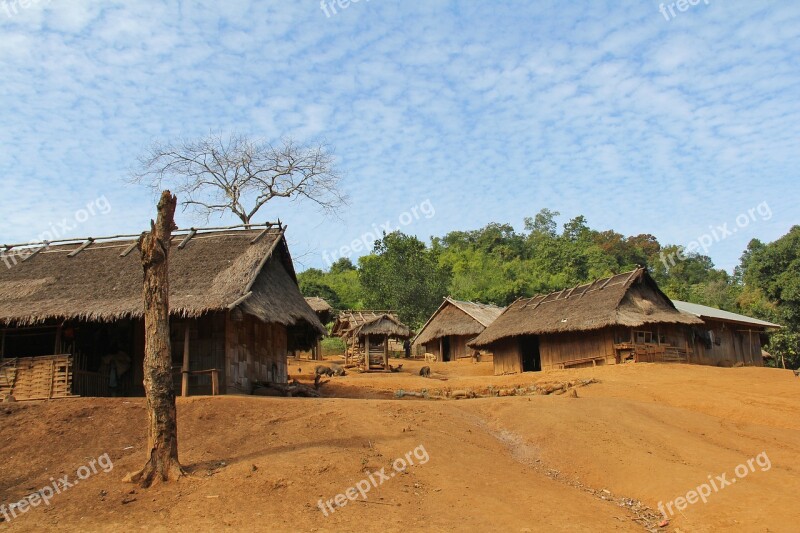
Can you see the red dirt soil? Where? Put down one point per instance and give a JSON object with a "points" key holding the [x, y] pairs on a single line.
{"points": [[648, 433]]}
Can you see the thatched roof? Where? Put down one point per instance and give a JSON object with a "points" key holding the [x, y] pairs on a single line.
{"points": [[213, 271], [455, 317], [631, 299], [361, 323], [319, 305]]}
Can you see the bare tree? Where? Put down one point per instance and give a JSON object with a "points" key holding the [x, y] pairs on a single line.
{"points": [[162, 436], [238, 174]]}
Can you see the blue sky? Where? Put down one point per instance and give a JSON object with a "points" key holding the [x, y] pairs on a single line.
{"points": [[488, 110]]}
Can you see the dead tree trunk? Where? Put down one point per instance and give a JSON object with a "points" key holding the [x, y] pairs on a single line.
{"points": [[162, 435]]}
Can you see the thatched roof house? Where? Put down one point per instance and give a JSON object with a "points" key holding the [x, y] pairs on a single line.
{"points": [[361, 323], [323, 309], [588, 324], [234, 299], [454, 323], [367, 335]]}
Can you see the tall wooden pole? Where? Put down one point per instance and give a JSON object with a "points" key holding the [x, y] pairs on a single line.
{"points": [[162, 435], [185, 367]]}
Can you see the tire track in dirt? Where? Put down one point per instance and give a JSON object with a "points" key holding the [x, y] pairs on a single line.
{"points": [[527, 454]]}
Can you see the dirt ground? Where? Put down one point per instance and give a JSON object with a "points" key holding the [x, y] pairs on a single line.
{"points": [[642, 434]]}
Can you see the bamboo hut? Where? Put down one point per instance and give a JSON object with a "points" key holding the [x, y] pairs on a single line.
{"points": [[447, 331], [727, 339], [611, 320], [367, 335], [71, 314]]}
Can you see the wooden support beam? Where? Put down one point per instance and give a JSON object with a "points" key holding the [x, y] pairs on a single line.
{"points": [[261, 235], [185, 241], [214, 382], [185, 368], [88, 242], [366, 352], [36, 251], [386, 353], [240, 300], [129, 249]]}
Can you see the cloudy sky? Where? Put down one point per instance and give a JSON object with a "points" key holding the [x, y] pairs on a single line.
{"points": [[643, 121]]}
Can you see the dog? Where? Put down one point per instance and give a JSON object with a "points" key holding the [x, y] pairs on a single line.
{"points": [[430, 357], [425, 371]]}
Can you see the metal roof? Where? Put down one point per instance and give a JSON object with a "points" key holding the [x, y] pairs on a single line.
{"points": [[703, 311]]}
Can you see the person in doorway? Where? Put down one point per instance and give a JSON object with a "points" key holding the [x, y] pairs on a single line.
{"points": [[407, 348]]}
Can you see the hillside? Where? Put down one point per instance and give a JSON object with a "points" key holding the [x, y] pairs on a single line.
{"points": [[642, 433]]}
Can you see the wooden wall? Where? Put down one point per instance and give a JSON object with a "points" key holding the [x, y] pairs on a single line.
{"points": [[254, 351], [507, 358], [582, 349], [736, 345], [458, 347]]}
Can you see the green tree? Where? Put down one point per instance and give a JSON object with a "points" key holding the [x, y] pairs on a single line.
{"points": [[404, 275]]}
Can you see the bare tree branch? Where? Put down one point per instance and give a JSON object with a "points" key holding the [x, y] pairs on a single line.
{"points": [[237, 174]]}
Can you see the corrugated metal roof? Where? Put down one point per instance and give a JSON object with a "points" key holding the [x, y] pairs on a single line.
{"points": [[703, 311]]}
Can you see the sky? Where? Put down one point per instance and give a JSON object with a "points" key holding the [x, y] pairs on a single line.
{"points": [[442, 115]]}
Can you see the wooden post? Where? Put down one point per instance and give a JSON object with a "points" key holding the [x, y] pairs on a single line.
{"points": [[366, 352], [319, 349], [185, 368], [386, 353], [57, 347], [214, 382]]}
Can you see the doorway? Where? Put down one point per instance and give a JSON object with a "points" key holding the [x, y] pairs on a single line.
{"points": [[529, 351], [446, 349]]}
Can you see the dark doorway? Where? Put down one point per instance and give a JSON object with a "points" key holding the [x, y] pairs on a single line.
{"points": [[529, 348], [445, 348]]}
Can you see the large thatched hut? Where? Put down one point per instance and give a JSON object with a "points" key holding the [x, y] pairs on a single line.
{"points": [[726, 338], [455, 322], [71, 314], [367, 335], [608, 321]]}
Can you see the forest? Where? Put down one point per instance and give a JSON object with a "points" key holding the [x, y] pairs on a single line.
{"points": [[498, 264]]}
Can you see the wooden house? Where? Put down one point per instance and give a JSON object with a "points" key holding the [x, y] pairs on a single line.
{"points": [[71, 314], [454, 323], [623, 317], [367, 335], [726, 338]]}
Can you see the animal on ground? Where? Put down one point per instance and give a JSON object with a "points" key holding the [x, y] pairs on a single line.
{"points": [[397, 368], [322, 370], [338, 370], [425, 371], [430, 357]]}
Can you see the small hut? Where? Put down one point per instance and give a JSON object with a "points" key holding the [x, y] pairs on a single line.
{"points": [[321, 307], [727, 338], [324, 312], [71, 314], [447, 331], [611, 320], [367, 335]]}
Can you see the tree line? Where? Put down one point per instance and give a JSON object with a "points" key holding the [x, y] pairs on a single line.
{"points": [[498, 264]]}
